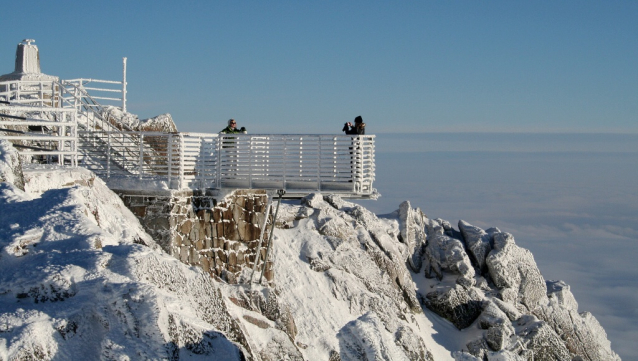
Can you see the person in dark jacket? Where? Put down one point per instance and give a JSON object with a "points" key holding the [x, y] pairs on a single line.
{"points": [[359, 127], [232, 128]]}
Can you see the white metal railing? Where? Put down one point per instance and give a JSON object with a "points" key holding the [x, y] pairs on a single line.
{"points": [[49, 136], [41, 93], [296, 163], [114, 92], [299, 164]]}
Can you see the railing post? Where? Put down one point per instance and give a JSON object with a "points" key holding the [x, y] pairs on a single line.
{"points": [[283, 186], [358, 164], [141, 154], [319, 165], [219, 160], [251, 163], [124, 85], [181, 161], [169, 153], [75, 139], [61, 133], [108, 155]]}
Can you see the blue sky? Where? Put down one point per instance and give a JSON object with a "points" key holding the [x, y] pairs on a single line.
{"points": [[307, 67]]}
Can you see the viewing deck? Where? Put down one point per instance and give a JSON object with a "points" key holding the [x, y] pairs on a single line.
{"points": [[58, 121], [299, 164]]}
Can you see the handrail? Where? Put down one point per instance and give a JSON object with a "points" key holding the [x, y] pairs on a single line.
{"points": [[297, 163], [56, 140]]}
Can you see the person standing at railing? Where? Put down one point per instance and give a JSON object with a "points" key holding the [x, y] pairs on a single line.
{"points": [[359, 127], [229, 151], [232, 128]]}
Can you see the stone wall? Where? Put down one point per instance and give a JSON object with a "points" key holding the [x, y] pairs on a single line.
{"points": [[220, 237]]}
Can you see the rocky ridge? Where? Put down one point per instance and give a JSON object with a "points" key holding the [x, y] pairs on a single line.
{"points": [[349, 285]]}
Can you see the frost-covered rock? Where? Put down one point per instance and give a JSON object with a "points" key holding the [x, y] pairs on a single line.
{"points": [[582, 333], [477, 242], [367, 339], [457, 304], [412, 225], [10, 165], [515, 273], [446, 254], [492, 316], [128, 121], [357, 268], [536, 336], [93, 284]]}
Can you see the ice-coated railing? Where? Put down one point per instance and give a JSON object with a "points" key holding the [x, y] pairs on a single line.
{"points": [[299, 164], [50, 136], [39, 93]]}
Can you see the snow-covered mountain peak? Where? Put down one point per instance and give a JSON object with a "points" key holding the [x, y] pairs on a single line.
{"points": [[81, 279]]}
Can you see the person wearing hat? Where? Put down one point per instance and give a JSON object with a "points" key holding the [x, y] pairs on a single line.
{"points": [[359, 127]]}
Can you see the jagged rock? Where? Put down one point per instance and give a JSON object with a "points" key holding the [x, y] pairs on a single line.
{"points": [[292, 213], [505, 355], [334, 200], [280, 347], [456, 304], [497, 337], [538, 337], [510, 310], [433, 228], [463, 356], [367, 339], [317, 265], [313, 200], [412, 345], [581, 333], [492, 316], [335, 227], [128, 121], [412, 223], [161, 123], [446, 254], [515, 273], [10, 165], [477, 242], [477, 348]]}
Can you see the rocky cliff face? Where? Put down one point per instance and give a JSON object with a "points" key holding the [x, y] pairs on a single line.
{"points": [[482, 279], [80, 278]]}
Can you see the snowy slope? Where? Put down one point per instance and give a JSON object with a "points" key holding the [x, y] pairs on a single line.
{"points": [[80, 279]]}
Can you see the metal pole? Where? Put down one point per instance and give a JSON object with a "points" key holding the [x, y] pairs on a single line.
{"points": [[169, 152], [261, 235], [124, 85], [281, 193], [108, 155], [141, 160]]}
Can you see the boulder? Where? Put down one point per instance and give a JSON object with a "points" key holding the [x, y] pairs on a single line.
{"points": [[456, 304], [412, 224], [515, 273], [477, 242], [446, 254]]}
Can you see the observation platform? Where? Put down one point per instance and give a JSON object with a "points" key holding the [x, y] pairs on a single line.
{"points": [[60, 121]]}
